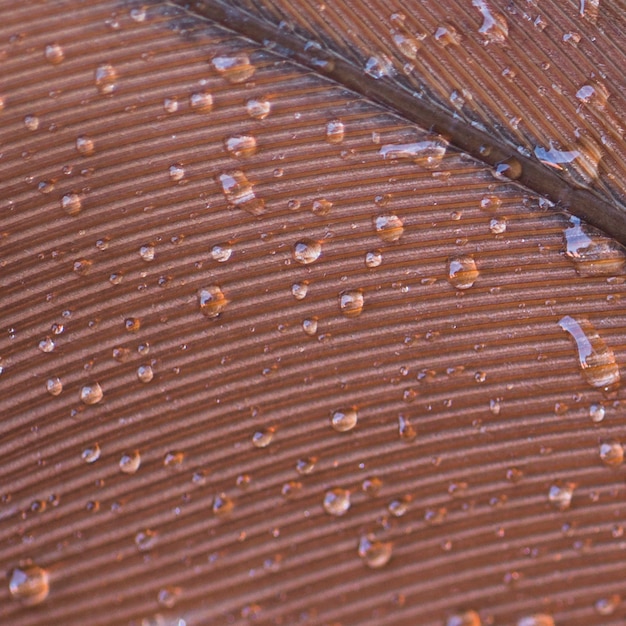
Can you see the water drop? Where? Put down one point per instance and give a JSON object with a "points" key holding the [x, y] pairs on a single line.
{"points": [[388, 227], [212, 301], [343, 420], [592, 254], [462, 272], [612, 453], [490, 204], [29, 584], [263, 438], [406, 430], [306, 465], [509, 169], [596, 413], [235, 69], [85, 145], [560, 495], [607, 606], [138, 14], [494, 27], [46, 345], [173, 460], [351, 302], [132, 324], [299, 290], [427, 154], [54, 53], [321, 207], [596, 359], [145, 373], [307, 251], [54, 386], [373, 258], [335, 131], [130, 462], [290, 489], [497, 225], [146, 539], [45, 186], [399, 507], [91, 453], [82, 266], [408, 46], [554, 157], [337, 501], [435, 517], [176, 172], [105, 78], [222, 505], [168, 597], [71, 203], [309, 325], [467, 618], [258, 109], [201, 101], [371, 486], [595, 95], [447, 35], [240, 146], [539, 619], [239, 192], [31, 122], [373, 552], [378, 67], [91, 394], [170, 105]]}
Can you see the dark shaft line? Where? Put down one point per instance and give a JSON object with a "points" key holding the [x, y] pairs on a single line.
{"points": [[583, 202]]}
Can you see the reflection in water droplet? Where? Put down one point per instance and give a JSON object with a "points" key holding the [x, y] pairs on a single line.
{"points": [[146, 539], [560, 495], [212, 301], [428, 153], [343, 420], [373, 552], [54, 53], [29, 584], [596, 359], [258, 109], [239, 192], [307, 251], [222, 505], [91, 394], [337, 501], [105, 77], [235, 69], [71, 203], [263, 438], [462, 272], [612, 453], [494, 27], [467, 618], [351, 302], [240, 146], [54, 386], [539, 619], [335, 131], [388, 227], [592, 254], [91, 454], [201, 101], [130, 462]]}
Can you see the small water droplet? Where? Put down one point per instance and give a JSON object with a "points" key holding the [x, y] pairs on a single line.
{"points": [[447, 35], [130, 462], [85, 145], [132, 324], [263, 438], [31, 122], [497, 225], [173, 460], [371, 486], [399, 506], [373, 552], [145, 373], [201, 101], [258, 109], [490, 204], [321, 207], [560, 495], [54, 53], [46, 345], [307, 251], [239, 192], [54, 386], [91, 453], [240, 146], [29, 584], [539, 619], [235, 69], [596, 359], [138, 14], [170, 105], [299, 290], [306, 465], [351, 302], [607, 606], [467, 618], [335, 131], [146, 539], [462, 272], [379, 67], [168, 597], [388, 227], [309, 325], [612, 453], [373, 259], [222, 505], [494, 27], [596, 413], [427, 154], [291, 488], [91, 394], [212, 301], [343, 420], [509, 169], [221, 252], [176, 172], [406, 430], [71, 203], [82, 266], [337, 501], [105, 78]]}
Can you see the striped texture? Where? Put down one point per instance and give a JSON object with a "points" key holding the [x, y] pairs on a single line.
{"points": [[420, 350]]}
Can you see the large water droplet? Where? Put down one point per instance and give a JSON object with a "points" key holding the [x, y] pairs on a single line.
{"points": [[373, 552], [145, 373], [235, 69], [212, 301], [29, 584], [554, 157], [378, 67], [91, 394], [299, 290], [388, 227], [105, 78], [71, 203], [201, 101], [447, 35], [240, 146], [54, 53], [351, 302], [221, 252], [31, 122], [130, 462], [428, 153], [335, 131], [560, 495], [494, 27], [343, 420], [596, 359], [307, 251], [91, 453], [258, 109], [239, 192], [306, 465], [612, 453], [85, 145], [309, 325], [337, 501], [54, 386], [462, 272], [263, 438]]}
